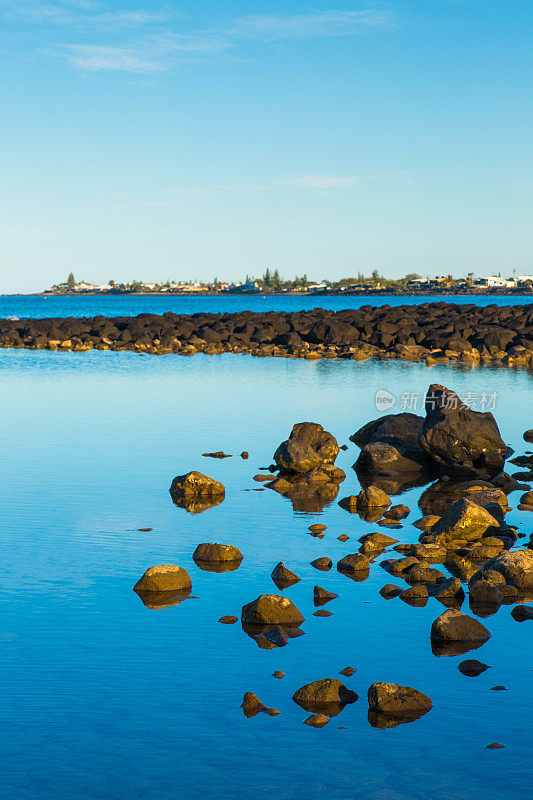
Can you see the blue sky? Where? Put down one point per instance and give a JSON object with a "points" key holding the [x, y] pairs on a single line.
{"points": [[187, 140]]}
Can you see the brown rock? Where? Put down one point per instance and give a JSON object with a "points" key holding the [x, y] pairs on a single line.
{"points": [[213, 551], [195, 484], [323, 564], [271, 609], [283, 577], [229, 620], [394, 699], [164, 578]]}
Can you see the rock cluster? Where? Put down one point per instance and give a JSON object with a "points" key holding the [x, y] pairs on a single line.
{"points": [[429, 331]]}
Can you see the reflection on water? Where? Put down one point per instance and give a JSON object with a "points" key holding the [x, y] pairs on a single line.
{"points": [[99, 437], [158, 600]]}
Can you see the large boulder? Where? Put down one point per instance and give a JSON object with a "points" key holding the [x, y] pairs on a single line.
{"points": [[308, 446], [461, 442], [405, 427], [394, 699], [271, 609], [164, 578], [463, 521], [319, 694], [195, 484], [516, 568]]}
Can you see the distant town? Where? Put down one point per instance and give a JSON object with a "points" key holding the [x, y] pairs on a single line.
{"points": [[272, 283]]}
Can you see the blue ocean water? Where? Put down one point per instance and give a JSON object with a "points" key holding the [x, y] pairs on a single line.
{"points": [[33, 306], [104, 697]]}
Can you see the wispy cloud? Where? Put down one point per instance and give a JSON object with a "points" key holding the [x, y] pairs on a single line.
{"points": [[155, 40], [322, 182]]}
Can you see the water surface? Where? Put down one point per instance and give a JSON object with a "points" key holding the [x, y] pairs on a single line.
{"points": [[103, 697]]}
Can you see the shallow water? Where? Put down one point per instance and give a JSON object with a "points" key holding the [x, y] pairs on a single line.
{"points": [[103, 697], [36, 307]]}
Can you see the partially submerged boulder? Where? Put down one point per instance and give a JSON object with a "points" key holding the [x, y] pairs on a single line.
{"points": [[405, 427], [463, 521], [394, 699], [372, 498], [453, 626], [215, 552], [283, 577], [319, 695], [195, 484], [391, 457], [308, 446], [271, 609], [164, 578], [461, 442], [516, 568]]}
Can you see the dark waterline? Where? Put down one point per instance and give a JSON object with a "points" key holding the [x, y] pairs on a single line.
{"points": [[102, 697], [37, 307]]}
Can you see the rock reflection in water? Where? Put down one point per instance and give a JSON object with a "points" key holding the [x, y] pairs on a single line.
{"points": [[309, 497], [440, 649], [267, 637], [391, 484], [158, 600], [218, 566], [197, 505], [383, 721]]}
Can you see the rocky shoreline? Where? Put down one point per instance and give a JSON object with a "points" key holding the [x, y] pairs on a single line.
{"points": [[430, 333]]}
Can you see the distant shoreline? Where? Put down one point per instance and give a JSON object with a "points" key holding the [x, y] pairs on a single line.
{"points": [[378, 293]]}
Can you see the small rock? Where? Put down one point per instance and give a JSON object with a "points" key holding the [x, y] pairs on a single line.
{"points": [[397, 512], [252, 705], [343, 537], [521, 613], [283, 577], [372, 497], [327, 690], [144, 530], [322, 596], [471, 667], [323, 564], [262, 478], [348, 671], [195, 484], [495, 746], [318, 527], [229, 620], [415, 594], [354, 562], [278, 674], [317, 720], [390, 590], [322, 613], [217, 454], [244, 454], [498, 688]]}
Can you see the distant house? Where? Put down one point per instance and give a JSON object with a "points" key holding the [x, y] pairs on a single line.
{"points": [[496, 282]]}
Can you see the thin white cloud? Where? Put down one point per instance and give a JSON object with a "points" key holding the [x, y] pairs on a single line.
{"points": [[157, 39], [98, 58], [322, 182], [271, 27]]}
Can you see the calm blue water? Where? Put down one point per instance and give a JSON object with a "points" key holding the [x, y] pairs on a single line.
{"points": [[130, 305], [103, 697]]}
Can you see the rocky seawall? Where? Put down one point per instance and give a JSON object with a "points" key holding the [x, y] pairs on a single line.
{"points": [[431, 332]]}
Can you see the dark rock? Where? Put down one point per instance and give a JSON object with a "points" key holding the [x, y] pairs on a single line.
{"points": [[390, 590], [516, 568], [283, 577], [495, 746], [348, 671], [472, 667], [354, 562], [461, 442], [405, 427], [397, 512], [323, 564], [321, 596], [308, 446], [278, 674], [522, 613], [229, 620]]}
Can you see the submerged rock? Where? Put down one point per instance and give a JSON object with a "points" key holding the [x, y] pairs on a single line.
{"points": [[471, 667]]}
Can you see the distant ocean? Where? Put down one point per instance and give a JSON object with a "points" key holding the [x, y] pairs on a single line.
{"points": [[35, 307]]}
